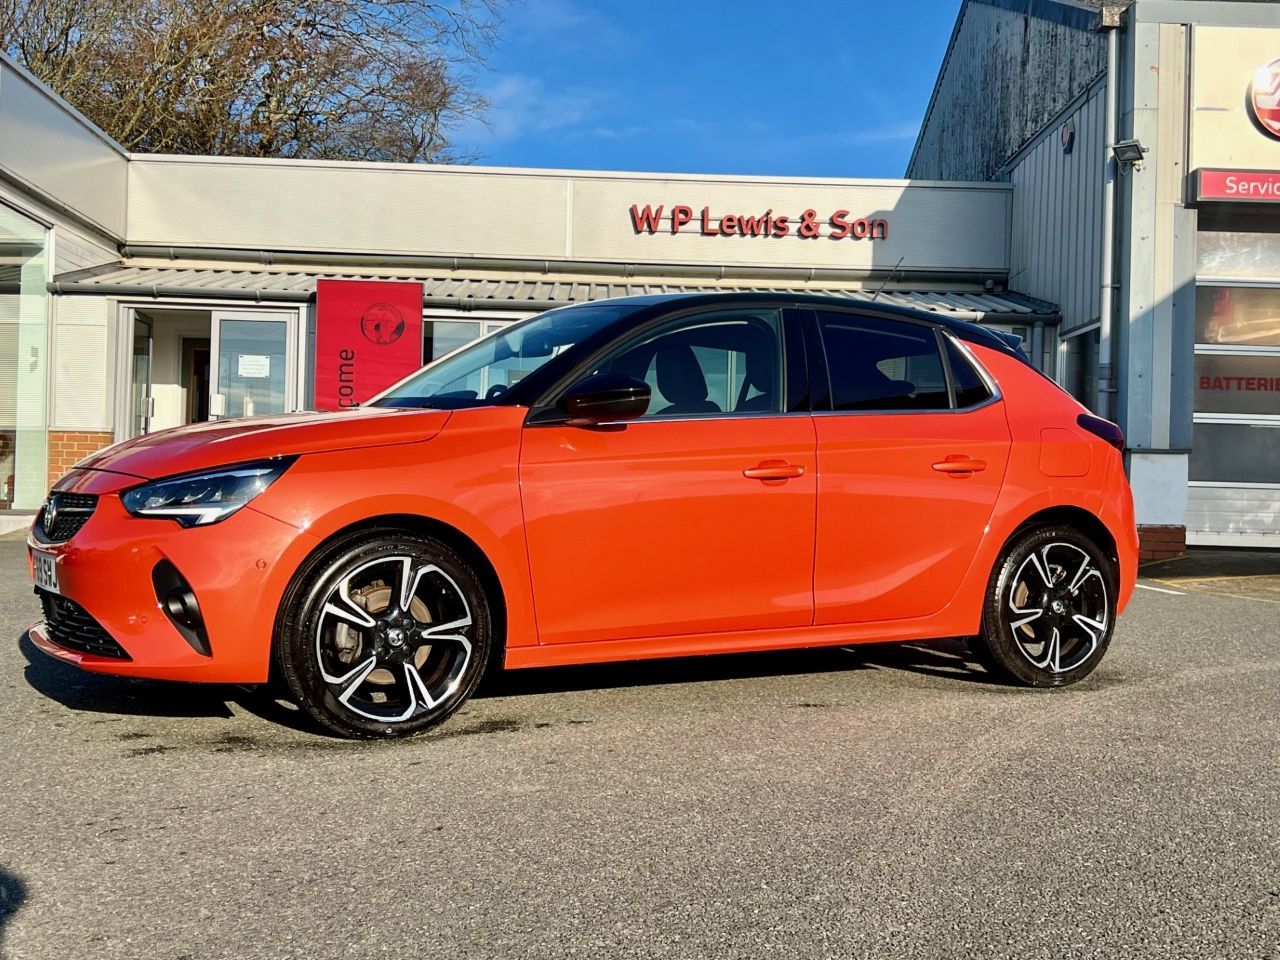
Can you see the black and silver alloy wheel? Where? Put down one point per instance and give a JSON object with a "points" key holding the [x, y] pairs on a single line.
{"points": [[392, 640], [1058, 607], [388, 636], [1048, 616]]}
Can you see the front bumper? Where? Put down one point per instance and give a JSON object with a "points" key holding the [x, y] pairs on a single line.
{"points": [[238, 569]]}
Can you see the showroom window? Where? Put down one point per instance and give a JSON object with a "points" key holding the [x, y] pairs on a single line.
{"points": [[24, 341], [445, 336], [1079, 366], [441, 337], [1236, 433]]}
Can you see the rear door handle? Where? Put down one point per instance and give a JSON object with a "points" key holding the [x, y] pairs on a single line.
{"points": [[774, 470], [958, 465]]}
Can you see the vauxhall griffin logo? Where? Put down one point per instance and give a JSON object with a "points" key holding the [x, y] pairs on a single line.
{"points": [[382, 324], [1264, 99], [50, 514]]}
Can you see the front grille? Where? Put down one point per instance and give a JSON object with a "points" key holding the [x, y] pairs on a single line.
{"points": [[70, 626], [71, 511]]}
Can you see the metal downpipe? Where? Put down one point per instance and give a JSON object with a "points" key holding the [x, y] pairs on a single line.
{"points": [[1104, 404]]}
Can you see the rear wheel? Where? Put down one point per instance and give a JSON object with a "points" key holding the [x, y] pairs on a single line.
{"points": [[1049, 612], [386, 635]]}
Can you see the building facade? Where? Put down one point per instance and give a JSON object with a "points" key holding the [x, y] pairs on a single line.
{"points": [[1142, 142], [144, 292]]}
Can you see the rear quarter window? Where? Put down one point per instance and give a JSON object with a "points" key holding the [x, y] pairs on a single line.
{"points": [[971, 389]]}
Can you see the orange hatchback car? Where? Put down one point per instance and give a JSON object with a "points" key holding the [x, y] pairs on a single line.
{"points": [[646, 477]]}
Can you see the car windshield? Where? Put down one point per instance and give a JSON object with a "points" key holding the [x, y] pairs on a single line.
{"points": [[482, 372]]}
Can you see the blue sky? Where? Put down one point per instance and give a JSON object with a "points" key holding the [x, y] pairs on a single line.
{"points": [[819, 88]]}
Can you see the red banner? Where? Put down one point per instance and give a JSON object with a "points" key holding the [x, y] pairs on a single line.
{"points": [[1251, 186], [368, 336]]}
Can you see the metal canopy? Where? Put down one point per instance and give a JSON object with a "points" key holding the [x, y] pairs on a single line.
{"points": [[497, 293]]}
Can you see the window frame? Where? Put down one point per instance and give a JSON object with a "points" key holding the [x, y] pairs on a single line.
{"points": [[820, 368], [796, 376], [1212, 418]]}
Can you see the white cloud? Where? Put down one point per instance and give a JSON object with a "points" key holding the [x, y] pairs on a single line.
{"points": [[558, 24], [886, 134], [521, 106]]}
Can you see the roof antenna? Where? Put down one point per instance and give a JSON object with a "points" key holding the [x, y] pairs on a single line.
{"points": [[888, 278]]}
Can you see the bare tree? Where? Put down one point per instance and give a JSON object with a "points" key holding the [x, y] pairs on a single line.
{"points": [[327, 79]]}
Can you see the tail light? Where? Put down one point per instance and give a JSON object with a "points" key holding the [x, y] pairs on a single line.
{"points": [[1105, 429]]}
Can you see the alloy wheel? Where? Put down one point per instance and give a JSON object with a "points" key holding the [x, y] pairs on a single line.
{"points": [[393, 639], [1058, 607]]}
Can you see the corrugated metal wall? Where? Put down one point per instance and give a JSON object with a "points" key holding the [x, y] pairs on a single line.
{"points": [[1006, 75], [1056, 239]]}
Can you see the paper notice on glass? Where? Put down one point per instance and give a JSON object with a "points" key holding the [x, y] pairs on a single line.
{"points": [[253, 365]]}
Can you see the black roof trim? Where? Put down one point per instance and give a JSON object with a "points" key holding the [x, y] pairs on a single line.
{"points": [[963, 329]]}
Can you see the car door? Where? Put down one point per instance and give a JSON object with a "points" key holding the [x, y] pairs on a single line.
{"points": [[912, 448], [697, 517]]}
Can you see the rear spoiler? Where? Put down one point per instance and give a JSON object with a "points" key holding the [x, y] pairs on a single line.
{"points": [[1014, 343], [1012, 339]]}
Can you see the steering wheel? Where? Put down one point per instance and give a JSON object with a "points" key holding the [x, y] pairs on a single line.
{"points": [[494, 392]]}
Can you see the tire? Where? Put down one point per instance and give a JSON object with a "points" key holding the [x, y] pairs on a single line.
{"points": [[349, 647], [1049, 611]]}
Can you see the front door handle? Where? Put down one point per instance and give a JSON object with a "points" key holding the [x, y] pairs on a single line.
{"points": [[958, 465], [774, 470]]}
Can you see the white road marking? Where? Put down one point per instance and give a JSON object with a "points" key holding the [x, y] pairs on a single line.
{"points": [[1176, 593]]}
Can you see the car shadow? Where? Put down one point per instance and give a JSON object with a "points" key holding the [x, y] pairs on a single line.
{"points": [[946, 659], [127, 696], [13, 893]]}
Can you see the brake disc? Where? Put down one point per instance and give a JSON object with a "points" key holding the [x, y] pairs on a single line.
{"points": [[348, 639]]}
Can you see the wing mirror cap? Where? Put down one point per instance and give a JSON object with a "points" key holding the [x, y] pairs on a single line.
{"points": [[605, 398]]}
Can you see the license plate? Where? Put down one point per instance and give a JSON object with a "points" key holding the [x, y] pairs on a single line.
{"points": [[45, 567]]}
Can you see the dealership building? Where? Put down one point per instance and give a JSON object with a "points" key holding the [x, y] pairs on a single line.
{"points": [[1142, 143], [140, 292]]}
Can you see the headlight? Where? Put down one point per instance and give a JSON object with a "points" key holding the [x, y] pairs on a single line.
{"points": [[197, 499]]}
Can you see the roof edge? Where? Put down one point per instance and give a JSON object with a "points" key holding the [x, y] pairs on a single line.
{"points": [[312, 259], [48, 93]]}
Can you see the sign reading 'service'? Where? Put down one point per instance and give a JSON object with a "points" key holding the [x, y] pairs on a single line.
{"points": [[1250, 186], [809, 225], [368, 336]]}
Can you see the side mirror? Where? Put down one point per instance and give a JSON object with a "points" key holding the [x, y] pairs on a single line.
{"points": [[604, 398]]}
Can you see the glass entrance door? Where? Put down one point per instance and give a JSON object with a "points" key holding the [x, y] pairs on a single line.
{"points": [[253, 364], [143, 348]]}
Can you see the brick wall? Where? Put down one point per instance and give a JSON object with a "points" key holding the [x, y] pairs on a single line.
{"points": [[1161, 542], [68, 448]]}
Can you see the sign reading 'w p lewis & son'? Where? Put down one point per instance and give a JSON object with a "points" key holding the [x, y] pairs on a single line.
{"points": [[808, 225], [368, 336]]}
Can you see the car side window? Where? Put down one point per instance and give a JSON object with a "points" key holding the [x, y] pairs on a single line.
{"points": [[878, 364], [707, 364]]}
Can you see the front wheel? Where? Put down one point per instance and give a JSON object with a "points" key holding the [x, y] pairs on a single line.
{"points": [[386, 635], [1050, 609]]}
